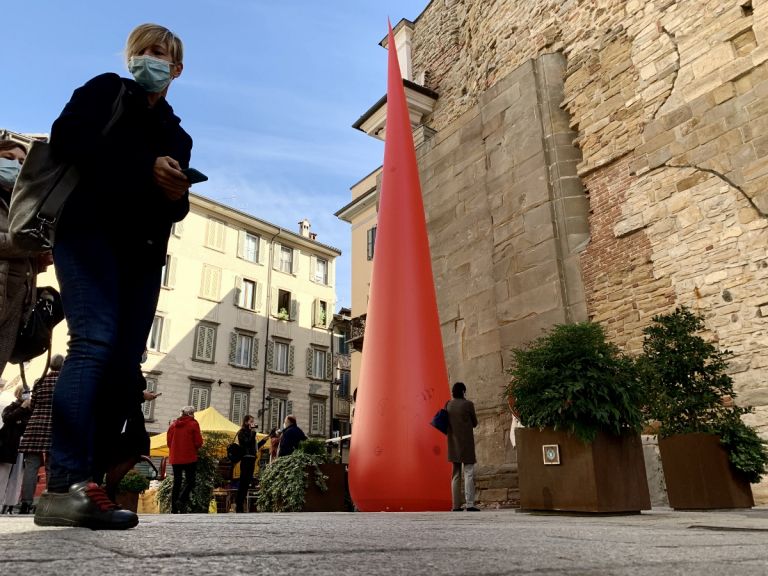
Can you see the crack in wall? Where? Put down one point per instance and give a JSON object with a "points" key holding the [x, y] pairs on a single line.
{"points": [[725, 179], [676, 46]]}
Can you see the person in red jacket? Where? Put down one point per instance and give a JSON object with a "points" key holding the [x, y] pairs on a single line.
{"points": [[184, 440]]}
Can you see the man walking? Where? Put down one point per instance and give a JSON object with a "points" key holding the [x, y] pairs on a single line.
{"points": [[461, 446], [184, 440], [291, 437]]}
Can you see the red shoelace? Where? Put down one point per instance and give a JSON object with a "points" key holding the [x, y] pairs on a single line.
{"points": [[99, 497]]}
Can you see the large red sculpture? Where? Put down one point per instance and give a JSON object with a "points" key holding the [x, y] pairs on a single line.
{"points": [[398, 461]]}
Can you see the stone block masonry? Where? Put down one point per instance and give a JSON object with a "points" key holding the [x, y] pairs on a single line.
{"points": [[666, 103]]}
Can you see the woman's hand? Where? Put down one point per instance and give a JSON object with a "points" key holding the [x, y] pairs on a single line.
{"points": [[169, 177], [42, 261]]}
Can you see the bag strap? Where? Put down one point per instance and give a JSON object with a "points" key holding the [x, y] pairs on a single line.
{"points": [[52, 206], [23, 374]]}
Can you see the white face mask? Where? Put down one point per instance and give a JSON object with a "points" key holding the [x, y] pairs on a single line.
{"points": [[9, 171], [152, 74]]}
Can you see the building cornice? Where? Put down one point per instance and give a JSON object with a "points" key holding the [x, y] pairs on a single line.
{"points": [[358, 205], [257, 224]]}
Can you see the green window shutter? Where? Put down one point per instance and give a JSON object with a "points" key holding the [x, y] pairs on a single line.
{"points": [[232, 347], [310, 352], [289, 407], [328, 366], [291, 360], [270, 355], [273, 417]]}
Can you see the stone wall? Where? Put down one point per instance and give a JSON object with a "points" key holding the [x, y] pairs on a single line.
{"points": [[506, 214], [668, 101]]}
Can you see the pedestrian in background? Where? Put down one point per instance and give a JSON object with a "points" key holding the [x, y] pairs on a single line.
{"points": [[461, 446], [36, 442], [274, 444], [111, 242], [291, 437], [15, 417], [18, 268], [184, 440], [246, 437]]}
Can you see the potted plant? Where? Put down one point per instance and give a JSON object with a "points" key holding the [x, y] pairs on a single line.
{"points": [[579, 401], [303, 481], [282, 314], [132, 484], [709, 455]]}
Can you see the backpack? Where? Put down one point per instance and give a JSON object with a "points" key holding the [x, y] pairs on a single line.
{"points": [[234, 453]]}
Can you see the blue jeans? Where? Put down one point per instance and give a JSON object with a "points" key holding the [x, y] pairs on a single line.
{"points": [[109, 296]]}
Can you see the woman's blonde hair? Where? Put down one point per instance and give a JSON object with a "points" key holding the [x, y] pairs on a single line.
{"points": [[147, 35]]}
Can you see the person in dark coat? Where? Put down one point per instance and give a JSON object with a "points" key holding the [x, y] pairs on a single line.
{"points": [[18, 267], [246, 437], [36, 442], [291, 437], [110, 247], [184, 440], [15, 417], [461, 446]]}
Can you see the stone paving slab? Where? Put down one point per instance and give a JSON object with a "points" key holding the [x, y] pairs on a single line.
{"points": [[661, 542]]}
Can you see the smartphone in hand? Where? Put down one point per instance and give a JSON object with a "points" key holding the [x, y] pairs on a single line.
{"points": [[194, 176]]}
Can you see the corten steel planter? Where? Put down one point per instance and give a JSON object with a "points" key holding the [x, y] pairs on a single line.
{"points": [[606, 476], [699, 475], [128, 500], [332, 500]]}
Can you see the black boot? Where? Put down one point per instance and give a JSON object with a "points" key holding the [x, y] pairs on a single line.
{"points": [[25, 508]]}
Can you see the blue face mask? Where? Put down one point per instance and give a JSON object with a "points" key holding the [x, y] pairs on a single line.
{"points": [[152, 74], [9, 171]]}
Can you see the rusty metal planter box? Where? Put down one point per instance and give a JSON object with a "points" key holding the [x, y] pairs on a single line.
{"points": [[699, 475], [332, 500], [606, 476]]}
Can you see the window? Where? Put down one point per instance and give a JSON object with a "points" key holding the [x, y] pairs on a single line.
{"points": [[247, 295], [284, 304], [319, 359], [371, 241], [317, 418], [169, 272], [149, 405], [155, 340], [344, 383], [242, 350], [200, 395], [279, 408], [177, 228], [321, 271], [249, 247], [320, 313], [239, 404], [342, 344], [286, 259], [280, 363], [211, 282], [215, 234], [205, 343]]}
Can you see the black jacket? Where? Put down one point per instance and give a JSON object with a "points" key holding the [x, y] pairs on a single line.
{"points": [[246, 437], [15, 420], [290, 439], [116, 190]]}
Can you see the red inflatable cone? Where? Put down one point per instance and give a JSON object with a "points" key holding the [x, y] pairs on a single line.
{"points": [[398, 462]]}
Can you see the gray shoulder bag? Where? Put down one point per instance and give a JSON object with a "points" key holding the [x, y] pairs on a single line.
{"points": [[42, 188]]}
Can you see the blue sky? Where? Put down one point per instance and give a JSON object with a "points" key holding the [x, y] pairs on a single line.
{"points": [[269, 91]]}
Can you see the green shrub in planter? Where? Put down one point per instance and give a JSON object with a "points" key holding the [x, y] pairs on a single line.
{"points": [[283, 484], [133, 481], [573, 379], [688, 390], [207, 474]]}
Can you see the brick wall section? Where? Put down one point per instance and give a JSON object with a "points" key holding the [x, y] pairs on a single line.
{"points": [[622, 293]]}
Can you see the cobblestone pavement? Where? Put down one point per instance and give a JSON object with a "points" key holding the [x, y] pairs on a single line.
{"points": [[490, 542]]}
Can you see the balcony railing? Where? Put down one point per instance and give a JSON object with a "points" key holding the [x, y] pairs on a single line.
{"points": [[357, 332], [340, 406]]}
